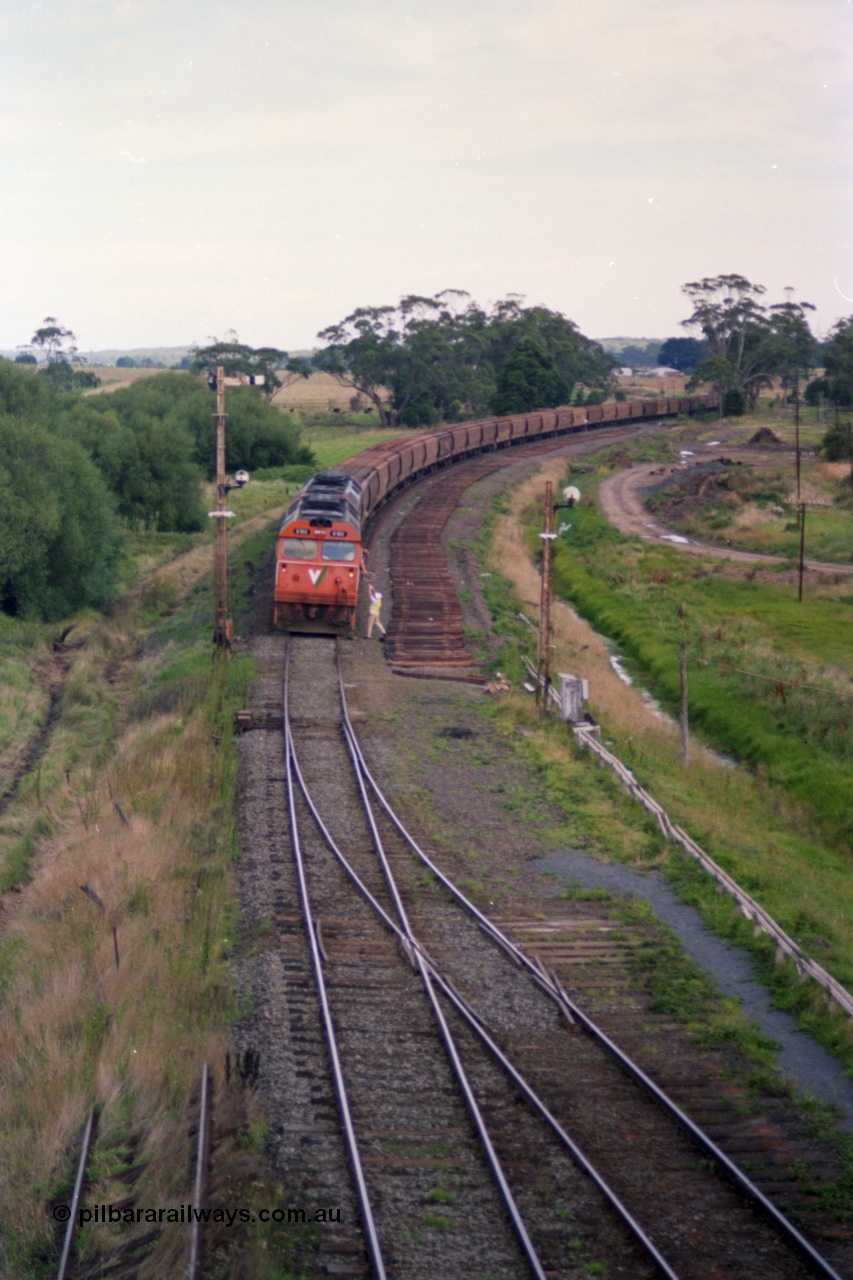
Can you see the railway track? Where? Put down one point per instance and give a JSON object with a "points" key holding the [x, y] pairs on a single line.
{"points": [[425, 633], [392, 953]]}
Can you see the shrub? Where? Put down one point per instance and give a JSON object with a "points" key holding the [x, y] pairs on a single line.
{"points": [[835, 445], [734, 403], [58, 537]]}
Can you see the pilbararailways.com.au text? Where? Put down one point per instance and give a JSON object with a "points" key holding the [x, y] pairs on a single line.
{"points": [[187, 1213]]}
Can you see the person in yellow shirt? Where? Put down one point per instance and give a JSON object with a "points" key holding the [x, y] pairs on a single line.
{"points": [[374, 609]]}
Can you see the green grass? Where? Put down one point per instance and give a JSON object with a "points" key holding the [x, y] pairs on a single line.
{"points": [[331, 445], [650, 599], [753, 507], [766, 838]]}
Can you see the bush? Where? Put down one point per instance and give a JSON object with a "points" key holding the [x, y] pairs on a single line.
{"points": [[148, 462], [22, 394], [734, 403], [257, 434], [835, 445], [528, 380], [421, 413], [58, 536]]}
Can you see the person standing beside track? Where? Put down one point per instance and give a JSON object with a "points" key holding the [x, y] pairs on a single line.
{"points": [[375, 598]]}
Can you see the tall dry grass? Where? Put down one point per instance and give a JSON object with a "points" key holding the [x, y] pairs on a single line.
{"points": [[78, 1029]]}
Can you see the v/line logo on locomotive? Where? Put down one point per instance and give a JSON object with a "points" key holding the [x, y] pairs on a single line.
{"points": [[320, 557]]}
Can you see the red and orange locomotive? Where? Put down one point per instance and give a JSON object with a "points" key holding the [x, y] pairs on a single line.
{"points": [[319, 556]]}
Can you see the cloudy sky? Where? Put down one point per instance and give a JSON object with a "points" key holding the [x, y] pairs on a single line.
{"points": [[172, 170]]}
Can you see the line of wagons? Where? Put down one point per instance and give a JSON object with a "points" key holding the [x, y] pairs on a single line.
{"points": [[319, 555]]}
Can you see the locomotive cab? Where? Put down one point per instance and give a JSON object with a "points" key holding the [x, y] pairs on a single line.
{"points": [[318, 565]]}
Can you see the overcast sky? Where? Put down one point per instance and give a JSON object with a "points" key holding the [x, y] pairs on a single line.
{"points": [[169, 171]]}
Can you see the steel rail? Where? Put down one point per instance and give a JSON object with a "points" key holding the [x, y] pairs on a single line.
{"points": [[563, 1000], [423, 970], [409, 943], [200, 1186], [71, 1230], [413, 953], [368, 1222]]}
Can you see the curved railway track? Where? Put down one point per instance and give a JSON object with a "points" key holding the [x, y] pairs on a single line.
{"points": [[425, 632], [420, 993]]}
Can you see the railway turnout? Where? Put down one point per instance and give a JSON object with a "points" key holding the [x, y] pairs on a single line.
{"points": [[492, 1127]]}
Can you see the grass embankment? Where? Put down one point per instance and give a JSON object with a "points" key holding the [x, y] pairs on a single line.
{"points": [[123, 833], [771, 679], [24, 698], [770, 840], [332, 441]]}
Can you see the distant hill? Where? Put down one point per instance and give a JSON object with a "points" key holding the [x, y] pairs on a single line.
{"points": [[167, 356], [619, 344]]}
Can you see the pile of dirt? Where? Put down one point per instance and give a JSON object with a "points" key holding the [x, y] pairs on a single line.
{"points": [[682, 494], [764, 436]]}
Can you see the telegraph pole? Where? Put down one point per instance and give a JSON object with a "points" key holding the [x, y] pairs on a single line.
{"points": [[797, 446], [223, 627], [802, 547], [685, 733], [543, 656]]}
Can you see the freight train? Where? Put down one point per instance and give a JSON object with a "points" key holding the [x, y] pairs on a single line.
{"points": [[319, 555]]}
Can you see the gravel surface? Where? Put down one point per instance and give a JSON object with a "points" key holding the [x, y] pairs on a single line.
{"points": [[800, 1058]]}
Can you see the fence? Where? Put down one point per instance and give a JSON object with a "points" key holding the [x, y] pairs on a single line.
{"points": [[585, 735]]}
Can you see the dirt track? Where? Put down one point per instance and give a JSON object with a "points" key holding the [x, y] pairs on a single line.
{"points": [[622, 503]]}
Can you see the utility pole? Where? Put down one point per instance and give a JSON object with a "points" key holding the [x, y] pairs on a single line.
{"points": [[223, 627], [802, 547], [543, 656], [682, 664], [797, 438]]}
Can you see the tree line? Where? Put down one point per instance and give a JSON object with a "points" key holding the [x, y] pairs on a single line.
{"points": [[446, 358], [77, 472]]}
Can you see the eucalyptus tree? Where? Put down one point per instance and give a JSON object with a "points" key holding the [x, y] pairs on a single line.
{"points": [[747, 344], [360, 354], [54, 341], [440, 358], [684, 354], [267, 368], [838, 362]]}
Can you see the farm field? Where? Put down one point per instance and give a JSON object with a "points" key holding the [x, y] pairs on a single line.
{"points": [[319, 393]]}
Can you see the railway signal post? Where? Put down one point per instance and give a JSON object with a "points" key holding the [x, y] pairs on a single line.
{"points": [[223, 627], [571, 495], [543, 655]]}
